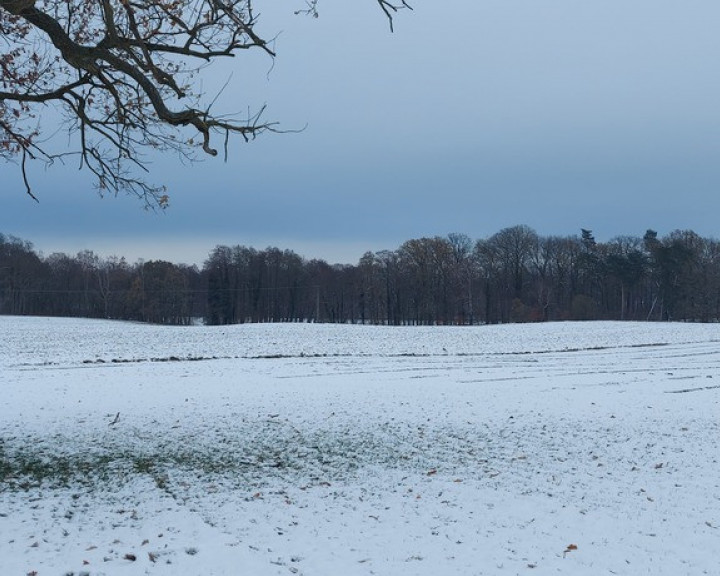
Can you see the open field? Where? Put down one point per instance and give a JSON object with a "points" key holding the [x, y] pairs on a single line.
{"points": [[567, 448]]}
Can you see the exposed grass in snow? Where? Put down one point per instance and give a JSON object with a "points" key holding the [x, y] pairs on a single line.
{"points": [[247, 454]]}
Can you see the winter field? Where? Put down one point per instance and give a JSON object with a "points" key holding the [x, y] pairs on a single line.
{"points": [[566, 448]]}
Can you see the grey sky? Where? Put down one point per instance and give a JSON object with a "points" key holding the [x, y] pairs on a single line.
{"points": [[556, 114]]}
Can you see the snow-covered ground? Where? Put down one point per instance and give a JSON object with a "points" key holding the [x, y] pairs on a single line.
{"points": [[568, 448]]}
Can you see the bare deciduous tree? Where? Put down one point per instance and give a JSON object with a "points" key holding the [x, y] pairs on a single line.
{"points": [[124, 75]]}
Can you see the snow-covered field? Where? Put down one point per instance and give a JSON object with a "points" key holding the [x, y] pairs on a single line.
{"points": [[568, 448]]}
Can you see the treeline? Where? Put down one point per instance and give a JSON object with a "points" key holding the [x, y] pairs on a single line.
{"points": [[514, 275]]}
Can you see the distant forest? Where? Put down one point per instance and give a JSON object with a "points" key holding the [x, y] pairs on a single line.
{"points": [[514, 275]]}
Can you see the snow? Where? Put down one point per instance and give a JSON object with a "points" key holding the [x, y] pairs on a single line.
{"points": [[564, 448]]}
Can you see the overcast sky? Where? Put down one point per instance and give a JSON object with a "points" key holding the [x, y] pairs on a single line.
{"points": [[473, 116]]}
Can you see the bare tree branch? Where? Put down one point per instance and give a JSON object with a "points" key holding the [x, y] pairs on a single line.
{"points": [[121, 71], [390, 9]]}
